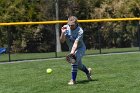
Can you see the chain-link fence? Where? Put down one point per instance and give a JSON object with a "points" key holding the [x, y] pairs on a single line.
{"points": [[27, 42]]}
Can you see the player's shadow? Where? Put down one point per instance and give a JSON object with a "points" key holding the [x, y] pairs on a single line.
{"points": [[86, 81]]}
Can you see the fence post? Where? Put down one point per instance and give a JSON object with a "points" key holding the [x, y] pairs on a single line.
{"points": [[99, 35], [139, 34], [9, 43], [58, 45]]}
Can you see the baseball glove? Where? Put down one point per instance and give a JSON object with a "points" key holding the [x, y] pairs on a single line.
{"points": [[71, 58]]}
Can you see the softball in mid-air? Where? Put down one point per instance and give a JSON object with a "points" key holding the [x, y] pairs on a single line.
{"points": [[49, 70]]}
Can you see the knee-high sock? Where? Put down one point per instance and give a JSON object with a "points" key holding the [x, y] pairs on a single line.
{"points": [[74, 72]]}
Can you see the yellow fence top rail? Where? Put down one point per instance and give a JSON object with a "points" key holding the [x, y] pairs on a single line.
{"points": [[65, 21]]}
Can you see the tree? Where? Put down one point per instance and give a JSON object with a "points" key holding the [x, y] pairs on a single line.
{"points": [[113, 34]]}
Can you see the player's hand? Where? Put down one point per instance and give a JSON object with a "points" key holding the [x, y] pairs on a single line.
{"points": [[72, 53], [63, 29]]}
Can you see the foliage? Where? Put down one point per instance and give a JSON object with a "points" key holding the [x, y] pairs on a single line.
{"points": [[112, 34]]}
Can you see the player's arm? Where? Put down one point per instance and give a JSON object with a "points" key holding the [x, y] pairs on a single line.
{"points": [[74, 47], [62, 36]]}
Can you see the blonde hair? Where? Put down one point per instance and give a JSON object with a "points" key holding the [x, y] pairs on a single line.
{"points": [[72, 20]]}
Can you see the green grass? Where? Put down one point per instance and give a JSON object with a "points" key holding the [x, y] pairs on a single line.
{"points": [[111, 74], [28, 56]]}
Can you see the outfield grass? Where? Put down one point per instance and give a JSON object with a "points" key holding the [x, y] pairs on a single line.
{"points": [[30, 56], [112, 74]]}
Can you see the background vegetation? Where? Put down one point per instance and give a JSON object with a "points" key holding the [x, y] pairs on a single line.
{"points": [[41, 38]]}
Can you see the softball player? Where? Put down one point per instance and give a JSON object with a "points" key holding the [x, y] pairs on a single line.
{"points": [[72, 33]]}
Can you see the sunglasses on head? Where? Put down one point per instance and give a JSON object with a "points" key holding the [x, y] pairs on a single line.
{"points": [[71, 25]]}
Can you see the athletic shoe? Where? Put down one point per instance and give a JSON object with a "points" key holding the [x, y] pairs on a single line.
{"points": [[71, 82], [89, 75]]}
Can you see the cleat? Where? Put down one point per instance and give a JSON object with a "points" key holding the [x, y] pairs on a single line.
{"points": [[71, 82], [89, 75]]}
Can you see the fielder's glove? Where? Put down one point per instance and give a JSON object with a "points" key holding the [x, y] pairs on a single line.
{"points": [[71, 58]]}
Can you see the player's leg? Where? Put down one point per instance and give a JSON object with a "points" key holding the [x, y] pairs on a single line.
{"points": [[86, 70], [82, 67], [74, 69]]}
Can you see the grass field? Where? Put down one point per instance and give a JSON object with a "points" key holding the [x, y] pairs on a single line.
{"points": [[111, 74], [30, 56]]}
